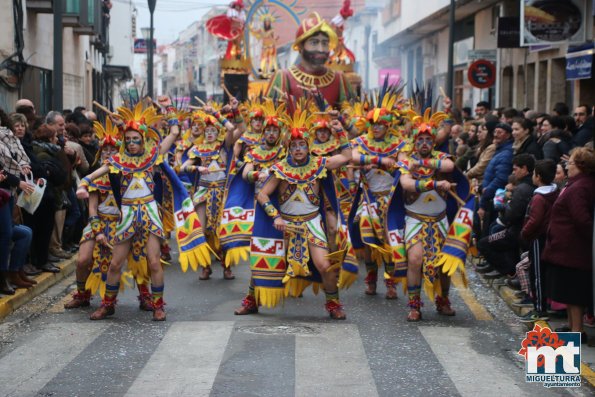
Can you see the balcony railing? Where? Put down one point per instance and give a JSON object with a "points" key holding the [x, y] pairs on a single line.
{"points": [[40, 6], [83, 15]]}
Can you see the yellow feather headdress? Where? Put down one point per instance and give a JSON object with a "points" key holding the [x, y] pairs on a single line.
{"points": [[140, 120], [428, 123]]}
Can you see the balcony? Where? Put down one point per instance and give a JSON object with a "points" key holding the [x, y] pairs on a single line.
{"points": [[84, 16], [40, 6]]}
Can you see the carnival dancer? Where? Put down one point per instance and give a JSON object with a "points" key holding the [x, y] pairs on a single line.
{"points": [[98, 236], [287, 239], [253, 134], [314, 41], [423, 179], [183, 146], [376, 152], [237, 220], [140, 227], [211, 158]]}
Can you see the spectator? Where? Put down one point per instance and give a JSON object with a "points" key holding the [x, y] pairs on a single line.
{"points": [[502, 249], [55, 120], [72, 136], [561, 175], [558, 141], [482, 109], [568, 253], [13, 162], [534, 232], [523, 138], [584, 123], [27, 108], [466, 114], [88, 143], [509, 114], [47, 152], [561, 109], [497, 171], [484, 152], [464, 153]]}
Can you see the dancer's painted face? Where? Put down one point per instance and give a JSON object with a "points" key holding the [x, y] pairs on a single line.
{"points": [[256, 124], [133, 141], [299, 150], [107, 152], [211, 134], [323, 135], [378, 130], [271, 135], [424, 144]]}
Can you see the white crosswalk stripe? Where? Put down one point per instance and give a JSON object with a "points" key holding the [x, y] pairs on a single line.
{"points": [[472, 373], [324, 369], [29, 367], [186, 361]]}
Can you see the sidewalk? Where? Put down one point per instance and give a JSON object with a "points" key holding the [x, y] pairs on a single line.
{"points": [[508, 295], [9, 303]]}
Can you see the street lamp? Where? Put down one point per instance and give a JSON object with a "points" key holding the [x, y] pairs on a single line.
{"points": [[152, 4]]}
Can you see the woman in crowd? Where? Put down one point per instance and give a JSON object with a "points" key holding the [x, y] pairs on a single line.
{"points": [[13, 163], [568, 251], [523, 138], [47, 151], [485, 150]]}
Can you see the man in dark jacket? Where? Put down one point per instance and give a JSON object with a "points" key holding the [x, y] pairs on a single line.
{"points": [[584, 123], [496, 174], [502, 249]]}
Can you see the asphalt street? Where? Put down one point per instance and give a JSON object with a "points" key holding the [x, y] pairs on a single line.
{"points": [[203, 349]]}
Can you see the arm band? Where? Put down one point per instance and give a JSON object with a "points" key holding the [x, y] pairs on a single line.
{"points": [[270, 210], [432, 163], [85, 182], [424, 185], [253, 176], [95, 225], [369, 159]]}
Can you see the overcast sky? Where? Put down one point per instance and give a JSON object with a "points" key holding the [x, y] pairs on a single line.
{"points": [[171, 16]]}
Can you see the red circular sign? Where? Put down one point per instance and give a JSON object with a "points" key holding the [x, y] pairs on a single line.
{"points": [[482, 73]]}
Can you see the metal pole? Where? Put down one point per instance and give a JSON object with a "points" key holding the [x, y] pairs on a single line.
{"points": [[451, 38], [57, 74], [152, 4]]}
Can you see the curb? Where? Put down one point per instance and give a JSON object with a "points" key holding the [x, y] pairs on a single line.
{"points": [[10, 303], [508, 295]]}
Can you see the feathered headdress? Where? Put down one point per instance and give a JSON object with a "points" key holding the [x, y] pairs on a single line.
{"points": [[140, 120], [108, 135], [425, 121], [298, 120], [428, 123], [272, 113]]}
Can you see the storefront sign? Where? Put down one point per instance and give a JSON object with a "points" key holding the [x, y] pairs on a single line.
{"points": [[579, 65], [509, 34]]}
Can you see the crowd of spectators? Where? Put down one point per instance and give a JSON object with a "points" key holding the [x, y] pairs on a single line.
{"points": [[534, 174], [49, 153]]}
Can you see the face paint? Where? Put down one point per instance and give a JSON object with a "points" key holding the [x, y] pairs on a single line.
{"points": [[133, 140], [298, 145]]}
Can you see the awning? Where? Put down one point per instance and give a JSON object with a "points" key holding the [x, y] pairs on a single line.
{"points": [[579, 62], [117, 72]]}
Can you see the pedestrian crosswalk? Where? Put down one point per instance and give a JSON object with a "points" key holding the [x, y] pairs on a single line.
{"points": [[262, 357]]}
